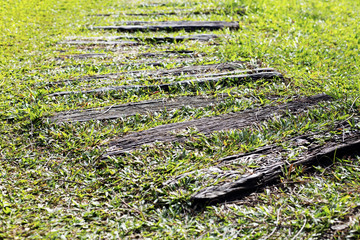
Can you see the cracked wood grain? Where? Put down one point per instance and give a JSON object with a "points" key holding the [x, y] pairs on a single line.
{"points": [[172, 26], [187, 83], [194, 69], [129, 109], [314, 154], [208, 125]]}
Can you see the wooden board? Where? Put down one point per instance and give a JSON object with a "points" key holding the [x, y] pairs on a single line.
{"points": [[240, 11], [121, 64], [172, 39], [167, 53], [185, 54], [84, 42], [194, 69], [83, 56], [173, 26], [129, 109], [199, 37], [132, 40], [236, 79], [207, 125], [313, 153]]}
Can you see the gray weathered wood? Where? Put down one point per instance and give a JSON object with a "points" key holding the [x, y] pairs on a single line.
{"points": [[313, 154], [173, 78], [174, 12], [113, 40], [180, 11], [83, 42], [168, 86], [208, 125], [125, 64], [155, 39], [129, 109], [173, 26], [167, 53], [164, 23], [194, 69], [84, 56]]}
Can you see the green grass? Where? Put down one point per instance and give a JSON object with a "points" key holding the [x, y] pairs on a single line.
{"points": [[53, 183]]}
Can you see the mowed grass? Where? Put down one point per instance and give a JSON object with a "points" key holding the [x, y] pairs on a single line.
{"points": [[54, 184]]}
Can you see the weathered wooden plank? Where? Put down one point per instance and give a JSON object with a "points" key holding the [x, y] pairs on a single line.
{"points": [[154, 39], [198, 76], [103, 14], [194, 69], [129, 109], [216, 74], [163, 23], [83, 42], [196, 12], [174, 12], [312, 154], [173, 26], [84, 56], [199, 37], [139, 23], [126, 64], [157, 62], [179, 12], [190, 11], [167, 53], [168, 86], [208, 125]]}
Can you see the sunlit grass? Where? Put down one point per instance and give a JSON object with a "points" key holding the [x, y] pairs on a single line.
{"points": [[54, 183]]}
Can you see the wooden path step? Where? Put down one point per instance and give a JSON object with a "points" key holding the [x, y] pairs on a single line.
{"points": [[120, 64], [152, 39], [173, 26], [166, 53], [313, 153], [218, 74], [197, 77], [236, 79], [116, 57], [180, 11], [171, 23], [208, 125], [83, 56], [84, 42], [194, 69], [199, 37], [129, 109]]}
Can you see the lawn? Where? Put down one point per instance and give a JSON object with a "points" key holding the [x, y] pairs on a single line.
{"points": [[67, 175]]}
